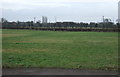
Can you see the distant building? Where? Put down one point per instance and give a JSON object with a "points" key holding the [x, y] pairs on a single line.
{"points": [[106, 20], [119, 12], [44, 20]]}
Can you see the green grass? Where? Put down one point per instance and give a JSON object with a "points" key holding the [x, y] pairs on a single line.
{"points": [[49, 49]]}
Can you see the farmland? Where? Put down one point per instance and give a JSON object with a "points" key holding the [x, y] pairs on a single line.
{"points": [[50, 49]]}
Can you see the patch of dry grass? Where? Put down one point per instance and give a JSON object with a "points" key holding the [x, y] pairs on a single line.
{"points": [[13, 35]]}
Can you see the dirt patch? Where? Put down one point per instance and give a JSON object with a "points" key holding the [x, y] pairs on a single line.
{"points": [[12, 35], [37, 40]]}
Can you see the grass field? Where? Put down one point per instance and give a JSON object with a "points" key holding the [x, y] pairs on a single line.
{"points": [[49, 49]]}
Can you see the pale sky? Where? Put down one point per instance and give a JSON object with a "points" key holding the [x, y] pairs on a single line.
{"points": [[63, 10]]}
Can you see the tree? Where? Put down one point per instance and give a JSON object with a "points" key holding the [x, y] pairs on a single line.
{"points": [[92, 25], [3, 20]]}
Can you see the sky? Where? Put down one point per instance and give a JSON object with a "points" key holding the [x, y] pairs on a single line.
{"points": [[61, 10]]}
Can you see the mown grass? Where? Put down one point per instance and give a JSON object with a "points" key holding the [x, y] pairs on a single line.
{"points": [[49, 49]]}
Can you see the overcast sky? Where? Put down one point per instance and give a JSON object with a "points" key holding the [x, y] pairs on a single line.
{"points": [[63, 10]]}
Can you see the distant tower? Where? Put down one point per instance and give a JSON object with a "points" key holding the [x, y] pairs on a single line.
{"points": [[119, 12], [55, 19], [103, 19], [34, 19], [44, 20]]}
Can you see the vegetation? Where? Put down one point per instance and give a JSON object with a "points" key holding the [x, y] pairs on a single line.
{"points": [[105, 26], [48, 49]]}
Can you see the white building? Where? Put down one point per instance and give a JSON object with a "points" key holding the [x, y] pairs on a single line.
{"points": [[44, 20], [119, 12]]}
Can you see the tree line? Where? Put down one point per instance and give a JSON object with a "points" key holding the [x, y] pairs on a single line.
{"points": [[61, 26]]}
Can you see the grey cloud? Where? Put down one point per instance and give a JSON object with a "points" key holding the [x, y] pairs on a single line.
{"points": [[68, 11]]}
